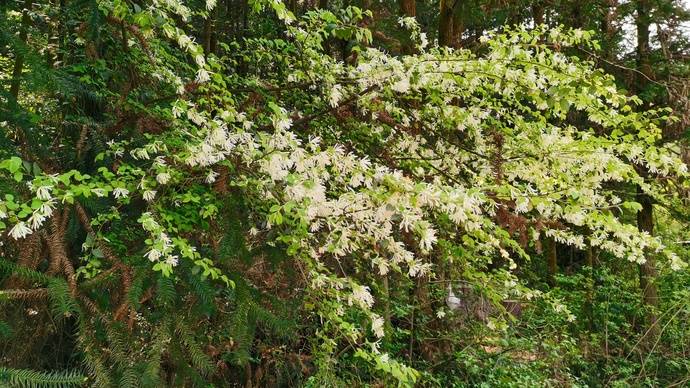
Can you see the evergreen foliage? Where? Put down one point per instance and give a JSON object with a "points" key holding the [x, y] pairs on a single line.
{"points": [[327, 194]]}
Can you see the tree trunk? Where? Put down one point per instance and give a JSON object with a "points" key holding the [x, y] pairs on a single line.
{"points": [[408, 8], [551, 260], [643, 22], [209, 32], [576, 16], [589, 308], [645, 223], [445, 25], [609, 29], [458, 28], [538, 13], [645, 217], [19, 57]]}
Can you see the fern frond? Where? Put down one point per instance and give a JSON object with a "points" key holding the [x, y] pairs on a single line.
{"points": [[277, 325], [204, 292], [7, 266], [61, 302], [159, 345], [119, 344], [165, 291], [24, 295], [136, 289], [129, 378], [93, 362], [200, 360], [24, 378]]}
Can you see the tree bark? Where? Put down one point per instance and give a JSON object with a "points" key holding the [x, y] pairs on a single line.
{"points": [[19, 56], [538, 13], [445, 25], [645, 217], [458, 28], [589, 308], [407, 7], [643, 22], [551, 260], [645, 223]]}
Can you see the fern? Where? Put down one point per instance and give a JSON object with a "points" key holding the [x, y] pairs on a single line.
{"points": [[5, 330], [200, 360], [136, 289], [159, 345], [165, 291], [183, 371], [61, 302], [233, 244], [241, 327], [273, 323], [24, 273], [119, 344], [33, 379], [129, 378], [92, 359], [202, 289]]}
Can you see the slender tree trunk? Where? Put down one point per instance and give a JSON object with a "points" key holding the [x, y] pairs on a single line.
{"points": [[407, 7], [589, 260], [645, 223], [643, 22], [552, 260], [19, 59], [607, 26], [645, 217], [61, 34], [388, 325], [538, 13], [445, 25], [458, 28], [576, 14], [209, 31]]}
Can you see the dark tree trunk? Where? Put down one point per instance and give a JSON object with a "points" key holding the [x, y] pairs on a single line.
{"points": [[645, 217], [445, 25], [538, 13], [19, 57], [645, 223], [591, 287], [407, 8], [551, 260], [458, 28]]}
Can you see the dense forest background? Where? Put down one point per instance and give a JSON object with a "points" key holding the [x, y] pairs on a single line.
{"points": [[344, 193]]}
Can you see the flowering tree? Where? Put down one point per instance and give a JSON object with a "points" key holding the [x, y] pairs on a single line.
{"points": [[443, 164]]}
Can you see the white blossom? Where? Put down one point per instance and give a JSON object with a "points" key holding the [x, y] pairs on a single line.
{"points": [[149, 195], [153, 255], [361, 296], [36, 220], [163, 178], [202, 76], [211, 177], [377, 326], [43, 193], [120, 192], [20, 230], [171, 260], [336, 95]]}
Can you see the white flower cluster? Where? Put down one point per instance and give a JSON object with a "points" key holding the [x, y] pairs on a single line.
{"points": [[161, 246]]}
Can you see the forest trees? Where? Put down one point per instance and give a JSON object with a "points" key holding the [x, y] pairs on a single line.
{"points": [[194, 196]]}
